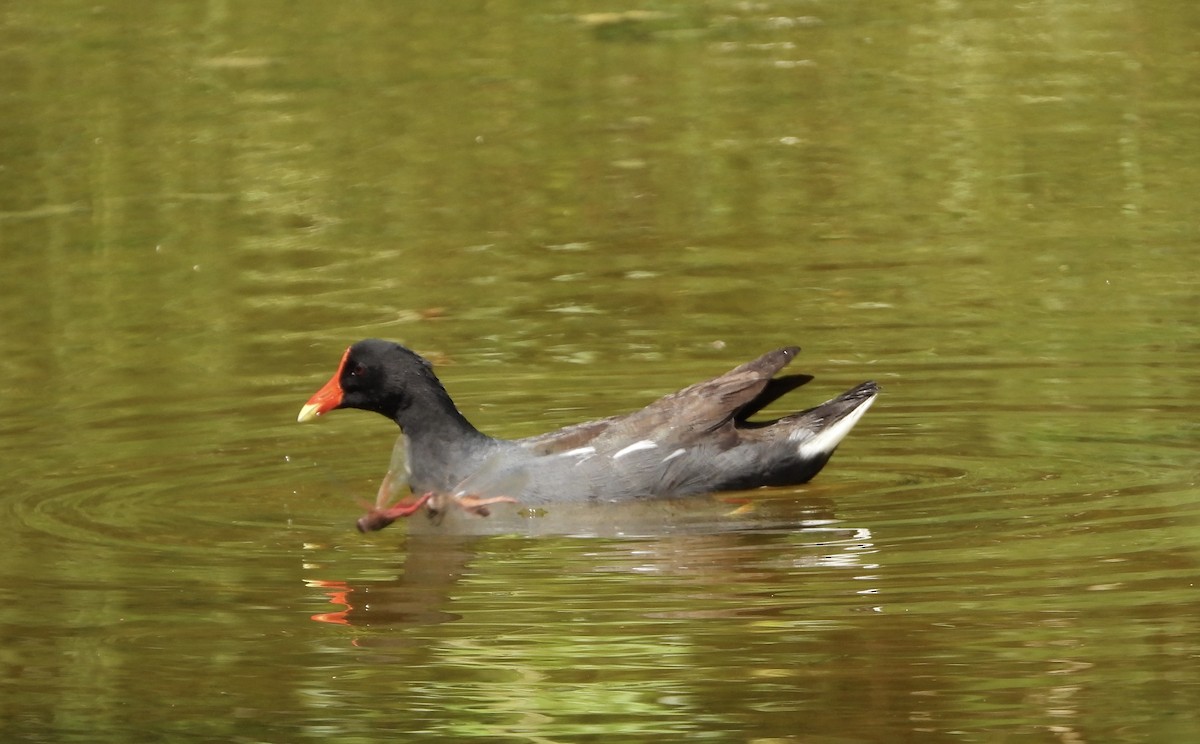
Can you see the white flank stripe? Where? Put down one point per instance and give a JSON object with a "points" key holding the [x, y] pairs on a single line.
{"points": [[674, 454], [824, 442], [579, 452], [644, 444]]}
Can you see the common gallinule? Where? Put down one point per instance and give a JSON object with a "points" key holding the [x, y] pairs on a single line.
{"points": [[696, 440]]}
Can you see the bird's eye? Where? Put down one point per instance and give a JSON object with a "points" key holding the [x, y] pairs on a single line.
{"points": [[358, 370]]}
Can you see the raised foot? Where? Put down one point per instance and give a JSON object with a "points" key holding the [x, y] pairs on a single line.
{"points": [[377, 519]]}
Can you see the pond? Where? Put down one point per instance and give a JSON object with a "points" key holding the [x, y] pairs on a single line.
{"points": [[572, 209]]}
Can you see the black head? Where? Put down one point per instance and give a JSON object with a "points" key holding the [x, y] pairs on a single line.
{"points": [[374, 375]]}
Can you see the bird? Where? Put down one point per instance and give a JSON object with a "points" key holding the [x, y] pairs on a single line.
{"points": [[697, 440]]}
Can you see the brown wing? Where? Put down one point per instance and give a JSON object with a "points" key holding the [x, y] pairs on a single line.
{"points": [[568, 438], [697, 409], [709, 404]]}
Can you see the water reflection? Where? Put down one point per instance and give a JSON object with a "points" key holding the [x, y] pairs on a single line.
{"points": [[522, 629], [689, 540]]}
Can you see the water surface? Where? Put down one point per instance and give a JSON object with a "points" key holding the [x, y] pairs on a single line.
{"points": [[572, 209]]}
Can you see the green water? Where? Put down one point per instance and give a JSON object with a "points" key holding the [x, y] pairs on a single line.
{"points": [[573, 208]]}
